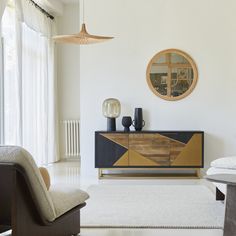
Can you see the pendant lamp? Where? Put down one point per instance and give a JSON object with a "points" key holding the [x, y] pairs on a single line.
{"points": [[82, 38]]}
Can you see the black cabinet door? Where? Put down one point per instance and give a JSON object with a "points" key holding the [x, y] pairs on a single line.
{"points": [[109, 149]]}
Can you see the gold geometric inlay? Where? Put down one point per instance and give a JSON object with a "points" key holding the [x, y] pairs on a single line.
{"points": [[191, 154], [135, 159], [123, 161]]}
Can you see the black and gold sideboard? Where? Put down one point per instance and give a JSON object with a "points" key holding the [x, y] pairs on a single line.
{"points": [[159, 150]]}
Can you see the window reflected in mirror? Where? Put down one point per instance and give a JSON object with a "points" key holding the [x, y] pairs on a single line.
{"points": [[172, 74]]}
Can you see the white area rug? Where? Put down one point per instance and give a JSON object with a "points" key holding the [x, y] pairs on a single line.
{"points": [[152, 206]]}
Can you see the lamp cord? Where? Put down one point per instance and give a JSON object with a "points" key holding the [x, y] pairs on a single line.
{"points": [[83, 11]]}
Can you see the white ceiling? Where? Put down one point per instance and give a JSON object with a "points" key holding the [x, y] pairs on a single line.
{"points": [[54, 7]]}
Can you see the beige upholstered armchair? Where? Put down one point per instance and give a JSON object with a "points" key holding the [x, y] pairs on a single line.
{"points": [[27, 207]]}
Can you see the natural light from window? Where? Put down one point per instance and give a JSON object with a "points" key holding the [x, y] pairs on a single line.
{"points": [[11, 95]]}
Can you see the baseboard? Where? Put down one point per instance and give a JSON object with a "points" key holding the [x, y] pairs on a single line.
{"points": [[77, 159]]}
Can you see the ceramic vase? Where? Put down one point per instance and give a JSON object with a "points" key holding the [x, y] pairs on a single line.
{"points": [[138, 121], [126, 122]]}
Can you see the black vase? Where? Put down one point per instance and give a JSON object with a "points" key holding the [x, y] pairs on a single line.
{"points": [[126, 122], [138, 121]]}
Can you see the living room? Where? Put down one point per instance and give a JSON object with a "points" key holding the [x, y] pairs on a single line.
{"points": [[137, 113]]}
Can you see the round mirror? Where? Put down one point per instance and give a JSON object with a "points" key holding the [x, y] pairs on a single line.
{"points": [[172, 74]]}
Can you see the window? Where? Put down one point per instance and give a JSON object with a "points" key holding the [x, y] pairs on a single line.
{"points": [[10, 82], [29, 117]]}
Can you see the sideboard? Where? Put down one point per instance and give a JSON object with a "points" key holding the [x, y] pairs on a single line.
{"points": [[159, 150]]}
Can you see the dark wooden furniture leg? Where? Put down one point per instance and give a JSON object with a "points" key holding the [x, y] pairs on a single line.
{"points": [[4, 228], [219, 195]]}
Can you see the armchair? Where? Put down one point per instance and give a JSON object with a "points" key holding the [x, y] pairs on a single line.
{"points": [[27, 207]]}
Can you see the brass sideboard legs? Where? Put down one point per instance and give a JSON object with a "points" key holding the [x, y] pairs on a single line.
{"points": [[198, 173], [100, 175], [195, 174]]}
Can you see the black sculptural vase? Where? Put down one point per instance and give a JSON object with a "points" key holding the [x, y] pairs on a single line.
{"points": [[138, 121], [126, 122]]}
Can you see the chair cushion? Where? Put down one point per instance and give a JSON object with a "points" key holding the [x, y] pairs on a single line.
{"points": [[66, 197], [18, 155], [225, 162]]}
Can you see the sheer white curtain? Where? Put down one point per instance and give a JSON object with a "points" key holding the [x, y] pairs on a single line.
{"points": [[39, 110], [38, 123], [35, 94], [11, 91], [2, 8]]}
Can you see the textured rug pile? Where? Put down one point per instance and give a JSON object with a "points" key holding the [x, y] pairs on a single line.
{"points": [[152, 206]]}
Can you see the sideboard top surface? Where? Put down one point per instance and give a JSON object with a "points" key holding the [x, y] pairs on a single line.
{"points": [[152, 131]]}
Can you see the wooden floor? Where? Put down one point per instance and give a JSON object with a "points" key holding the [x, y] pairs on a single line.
{"points": [[69, 173]]}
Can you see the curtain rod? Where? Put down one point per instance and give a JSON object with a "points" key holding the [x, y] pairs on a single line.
{"points": [[42, 10]]}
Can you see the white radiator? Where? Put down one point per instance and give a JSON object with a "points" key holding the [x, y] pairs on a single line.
{"points": [[72, 143]]}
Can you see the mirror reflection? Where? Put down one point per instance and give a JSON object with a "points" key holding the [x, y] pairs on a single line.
{"points": [[172, 74]]}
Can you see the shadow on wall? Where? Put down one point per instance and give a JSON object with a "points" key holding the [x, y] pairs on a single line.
{"points": [[126, 110], [212, 154]]}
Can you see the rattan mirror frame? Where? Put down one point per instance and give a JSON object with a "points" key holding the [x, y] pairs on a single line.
{"points": [[188, 58]]}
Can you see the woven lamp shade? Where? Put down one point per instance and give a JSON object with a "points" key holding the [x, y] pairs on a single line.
{"points": [[83, 37]]}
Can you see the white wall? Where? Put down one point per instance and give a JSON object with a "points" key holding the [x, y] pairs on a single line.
{"points": [[68, 70], [206, 29]]}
